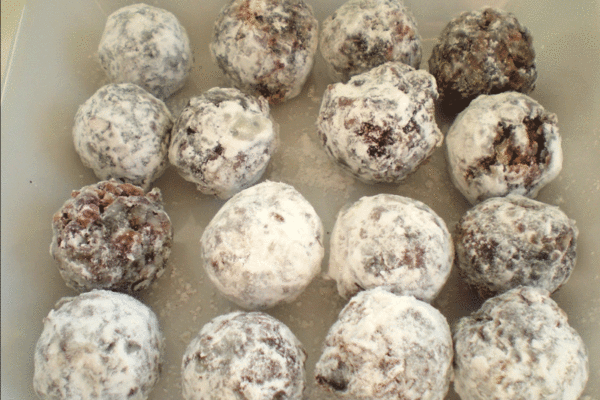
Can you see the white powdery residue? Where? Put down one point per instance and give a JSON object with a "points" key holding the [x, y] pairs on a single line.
{"points": [[185, 337], [314, 168], [312, 95]]}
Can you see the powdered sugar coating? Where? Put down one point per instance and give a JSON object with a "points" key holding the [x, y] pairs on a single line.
{"points": [[505, 242], [385, 346], [483, 51], [390, 241], [111, 236], [501, 144], [264, 246], [519, 346], [380, 126], [362, 34], [147, 46], [98, 345], [265, 47], [123, 132], [223, 141], [240, 355]]}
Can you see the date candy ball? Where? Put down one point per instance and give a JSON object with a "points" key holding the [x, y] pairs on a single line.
{"points": [[223, 141], [505, 242], [98, 345], [147, 46], [111, 235], [266, 47], [363, 34], [501, 144], [519, 346], [123, 132], [482, 52], [385, 346], [380, 126], [250, 356], [264, 246], [390, 241]]}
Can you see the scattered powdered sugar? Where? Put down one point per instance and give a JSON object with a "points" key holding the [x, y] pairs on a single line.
{"points": [[304, 163]]}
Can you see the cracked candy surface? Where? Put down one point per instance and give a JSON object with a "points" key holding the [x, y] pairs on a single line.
{"points": [[501, 144], [519, 346]]}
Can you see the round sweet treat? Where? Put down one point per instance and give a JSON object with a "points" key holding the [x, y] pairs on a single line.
{"points": [[123, 132], [505, 242], [111, 235], [380, 126], [147, 46], [390, 241], [482, 52], [98, 345], [240, 355], [385, 346], [223, 141], [363, 34], [501, 144], [266, 47], [264, 246], [519, 346]]}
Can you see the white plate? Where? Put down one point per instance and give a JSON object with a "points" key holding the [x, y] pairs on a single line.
{"points": [[54, 70]]}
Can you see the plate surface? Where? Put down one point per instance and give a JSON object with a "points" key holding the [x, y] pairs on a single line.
{"points": [[54, 69]]}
